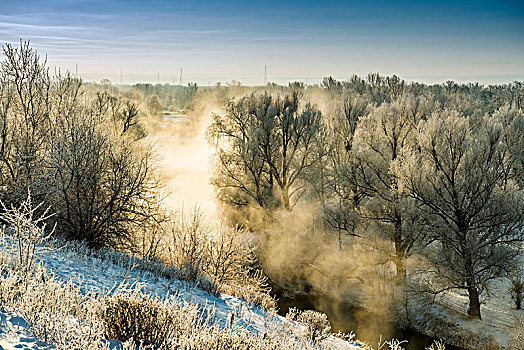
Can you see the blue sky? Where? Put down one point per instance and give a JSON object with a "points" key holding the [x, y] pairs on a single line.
{"points": [[297, 40]]}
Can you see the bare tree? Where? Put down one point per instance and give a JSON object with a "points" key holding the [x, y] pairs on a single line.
{"points": [[129, 112], [102, 184], [66, 152], [516, 289], [25, 107], [267, 143], [385, 88], [340, 210]]}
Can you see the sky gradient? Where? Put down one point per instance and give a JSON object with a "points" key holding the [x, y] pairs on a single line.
{"points": [[228, 40]]}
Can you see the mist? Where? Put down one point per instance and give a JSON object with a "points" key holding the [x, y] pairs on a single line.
{"points": [[184, 161]]}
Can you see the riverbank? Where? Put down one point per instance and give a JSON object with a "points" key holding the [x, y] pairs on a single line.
{"points": [[344, 317]]}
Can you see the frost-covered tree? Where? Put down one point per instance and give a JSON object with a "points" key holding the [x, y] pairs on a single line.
{"points": [[25, 112], [265, 146], [100, 184], [458, 173], [385, 88], [76, 155], [186, 95], [512, 122], [340, 210], [154, 107], [379, 140]]}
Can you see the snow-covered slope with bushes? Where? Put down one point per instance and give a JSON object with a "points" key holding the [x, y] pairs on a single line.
{"points": [[108, 272]]}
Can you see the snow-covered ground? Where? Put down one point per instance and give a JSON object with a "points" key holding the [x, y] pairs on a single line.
{"points": [[498, 312], [14, 334], [447, 318], [94, 273]]}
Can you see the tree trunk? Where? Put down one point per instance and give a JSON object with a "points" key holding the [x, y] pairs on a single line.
{"points": [[400, 253], [285, 198], [473, 293], [400, 278], [474, 303]]}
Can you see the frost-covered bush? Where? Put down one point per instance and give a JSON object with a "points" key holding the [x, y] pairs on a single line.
{"points": [[138, 318], [56, 312], [394, 344], [253, 288], [316, 322], [187, 239], [218, 260], [28, 229], [229, 254], [437, 345]]}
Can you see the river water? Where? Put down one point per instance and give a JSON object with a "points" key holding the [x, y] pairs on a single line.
{"points": [[367, 326]]}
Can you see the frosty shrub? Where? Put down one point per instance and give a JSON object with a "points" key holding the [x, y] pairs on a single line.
{"points": [[56, 312], [164, 324], [28, 230], [437, 345], [194, 274], [139, 318], [316, 322], [393, 344], [187, 243], [59, 312], [229, 254], [218, 260], [253, 288]]}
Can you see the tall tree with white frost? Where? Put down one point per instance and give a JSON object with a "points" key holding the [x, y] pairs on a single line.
{"points": [[458, 172], [340, 211], [379, 139]]}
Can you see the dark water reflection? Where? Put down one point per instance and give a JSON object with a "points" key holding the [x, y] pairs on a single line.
{"points": [[367, 326]]}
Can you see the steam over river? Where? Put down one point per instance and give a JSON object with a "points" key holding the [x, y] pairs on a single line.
{"points": [[185, 167]]}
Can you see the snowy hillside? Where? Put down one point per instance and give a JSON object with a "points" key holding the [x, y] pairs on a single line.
{"points": [[109, 272]]}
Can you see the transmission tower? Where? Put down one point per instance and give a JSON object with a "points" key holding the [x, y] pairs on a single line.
{"points": [[121, 78], [180, 76], [265, 75]]}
